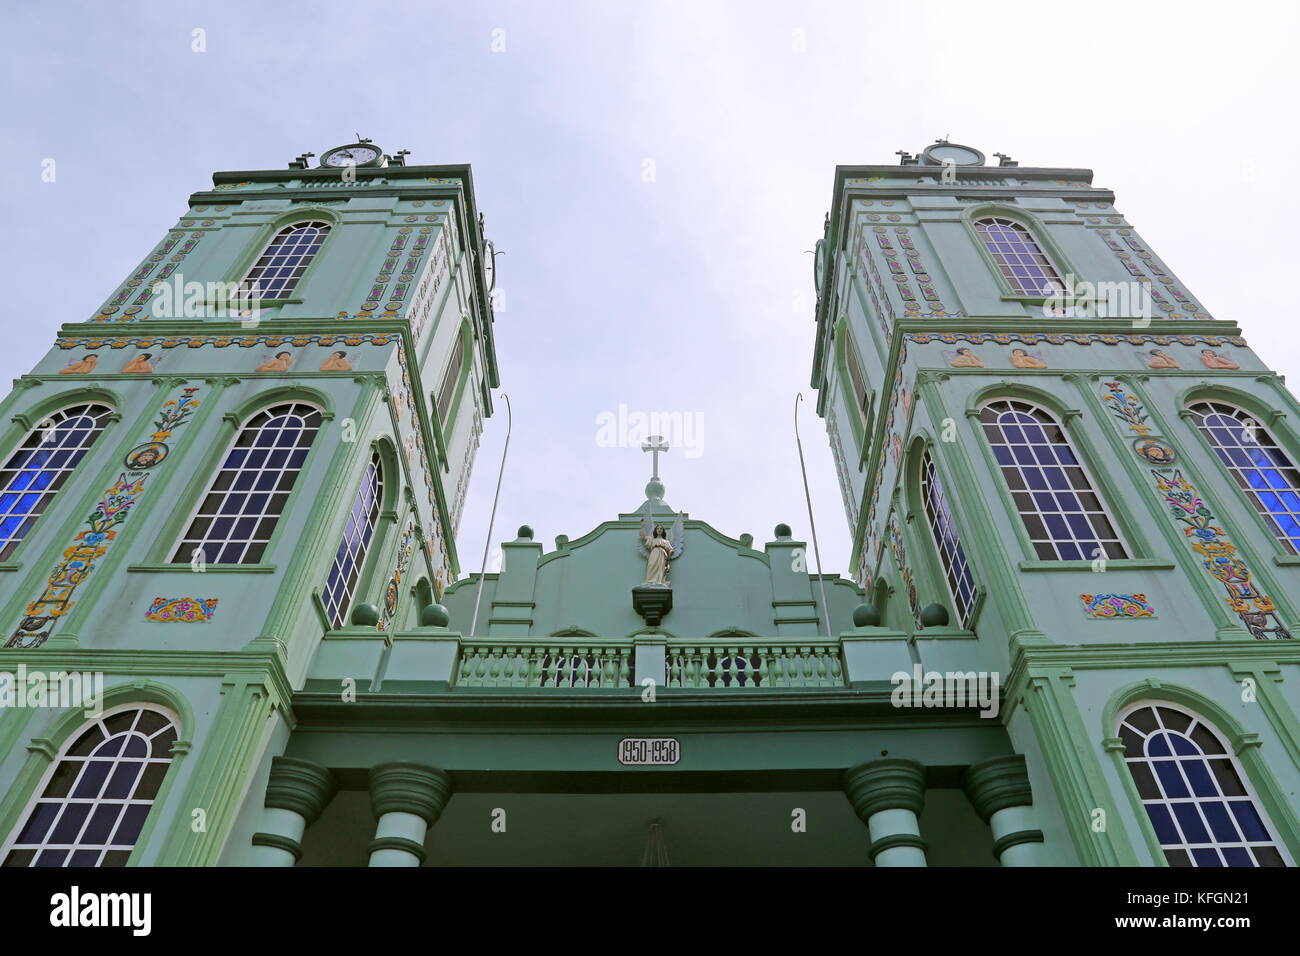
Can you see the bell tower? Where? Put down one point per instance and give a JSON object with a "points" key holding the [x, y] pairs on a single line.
{"points": [[263, 435], [1048, 445]]}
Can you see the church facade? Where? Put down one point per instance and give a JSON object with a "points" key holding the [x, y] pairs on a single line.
{"points": [[236, 630]]}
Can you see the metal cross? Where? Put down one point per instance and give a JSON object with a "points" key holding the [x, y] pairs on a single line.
{"points": [[654, 444]]}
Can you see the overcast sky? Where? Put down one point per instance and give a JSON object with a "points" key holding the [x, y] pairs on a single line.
{"points": [[656, 174]]}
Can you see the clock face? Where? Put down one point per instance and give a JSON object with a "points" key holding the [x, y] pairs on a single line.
{"points": [[490, 265], [350, 156], [941, 153]]}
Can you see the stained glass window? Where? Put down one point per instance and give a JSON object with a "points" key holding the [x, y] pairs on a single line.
{"points": [[1020, 258], [450, 378], [98, 793], [239, 511], [1264, 472], [285, 259], [857, 381], [956, 570], [1193, 790], [35, 472], [1064, 515], [341, 584]]}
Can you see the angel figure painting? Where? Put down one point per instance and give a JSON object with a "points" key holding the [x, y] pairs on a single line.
{"points": [[658, 547]]}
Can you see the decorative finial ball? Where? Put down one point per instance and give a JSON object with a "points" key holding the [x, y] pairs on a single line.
{"points": [[434, 615], [365, 615], [783, 530], [866, 615], [934, 615], [746, 540], [525, 533], [654, 489]]}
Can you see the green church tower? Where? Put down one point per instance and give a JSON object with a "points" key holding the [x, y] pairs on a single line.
{"points": [[263, 435], [228, 500], [1039, 427]]}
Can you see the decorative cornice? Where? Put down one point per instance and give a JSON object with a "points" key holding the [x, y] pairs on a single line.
{"points": [[894, 783], [409, 788], [300, 785], [996, 784]]}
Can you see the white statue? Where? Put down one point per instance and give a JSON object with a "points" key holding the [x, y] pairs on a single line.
{"points": [[659, 547]]}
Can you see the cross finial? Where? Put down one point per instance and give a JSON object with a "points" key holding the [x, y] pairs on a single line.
{"points": [[654, 444]]}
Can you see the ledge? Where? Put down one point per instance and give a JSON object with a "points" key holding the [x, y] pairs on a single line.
{"points": [[1283, 560], [207, 569], [1112, 564]]}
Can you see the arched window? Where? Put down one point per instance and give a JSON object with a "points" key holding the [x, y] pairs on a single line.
{"points": [[1193, 790], [285, 259], [35, 472], [1066, 519], [956, 570], [239, 511], [341, 584], [857, 381], [96, 796], [1018, 255], [450, 379], [1261, 468]]}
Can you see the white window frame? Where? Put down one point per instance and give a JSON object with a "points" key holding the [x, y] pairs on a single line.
{"points": [[183, 550], [1029, 407], [1168, 802], [11, 842], [1241, 416], [999, 256], [266, 260], [952, 572], [100, 412], [355, 547]]}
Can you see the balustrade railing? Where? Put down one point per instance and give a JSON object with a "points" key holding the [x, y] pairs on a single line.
{"points": [[551, 665], [732, 666]]}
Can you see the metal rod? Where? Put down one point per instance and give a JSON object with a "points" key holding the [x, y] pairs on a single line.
{"points": [[821, 583], [478, 593]]}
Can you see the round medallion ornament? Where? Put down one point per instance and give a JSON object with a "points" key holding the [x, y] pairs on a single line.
{"points": [[1155, 451], [145, 456]]}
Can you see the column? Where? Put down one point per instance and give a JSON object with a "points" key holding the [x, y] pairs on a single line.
{"points": [[888, 795], [296, 793], [999, 790], [407, 799]]}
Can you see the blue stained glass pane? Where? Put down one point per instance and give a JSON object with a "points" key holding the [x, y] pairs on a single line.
{"points": [[51, 858], [1080, 529], [1056, 526], [1190, 821], [1056, 478], [1207, 858], [38, 824], [23, 480], [1163, 823], [91, 779], [1070, 552], [1034, 479], [1183, 746], [123, 780], [1003, 455], [1198, 775], [1220, 822], [110, 747], [1158, 745], [244, 481], [1249, 821], [1012, 434], [1238, 856]]}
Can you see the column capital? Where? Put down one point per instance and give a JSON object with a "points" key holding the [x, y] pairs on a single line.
{"points": [[996, 784], [409, 788], [300, 785], [894, 783]]}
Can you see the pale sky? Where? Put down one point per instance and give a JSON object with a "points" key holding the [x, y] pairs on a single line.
{"points": [[690, 293]]}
